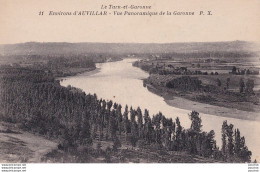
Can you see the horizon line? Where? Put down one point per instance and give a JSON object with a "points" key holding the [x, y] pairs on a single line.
{"points": [[129, 42]]}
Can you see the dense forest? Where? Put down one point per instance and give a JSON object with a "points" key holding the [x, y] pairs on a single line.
{"points": [[35, 101]]}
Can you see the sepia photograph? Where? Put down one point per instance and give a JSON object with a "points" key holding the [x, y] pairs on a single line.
{"points": [[120, 81]]}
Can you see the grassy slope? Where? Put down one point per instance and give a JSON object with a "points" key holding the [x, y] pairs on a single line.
{"points": [[18, 146]]}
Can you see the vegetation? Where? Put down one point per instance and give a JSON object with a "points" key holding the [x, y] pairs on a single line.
{"points": [[163, 69], [233, 145], [185, 83], [238, 71], [35, 101], [58, 65], [198, 79]]}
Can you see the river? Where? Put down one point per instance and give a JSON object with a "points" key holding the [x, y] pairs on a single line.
{"points": [[122, 83]]}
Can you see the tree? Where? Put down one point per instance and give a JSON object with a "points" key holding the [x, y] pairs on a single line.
{"points": [[218, 82], [99, 147], [112, 124], [66, 140], [234, 70], [194, 132], [157, 122], [147, 127], [210, 144], [85, 133], [140, 122], [133, 140], [230, 145], [133, 124], [228, 81], [119, 119], [241, 150], [227, 145], [250, 86], [126, 121], [108, 118], [241, 85], [245, 155], [237, 148], [116, 144], [195, 121], [102, 118], [224, 140], [178, 145]]}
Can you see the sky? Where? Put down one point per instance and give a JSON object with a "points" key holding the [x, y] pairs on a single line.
{"points": [[231, 20]]}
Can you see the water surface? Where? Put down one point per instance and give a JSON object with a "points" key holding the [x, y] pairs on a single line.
{"points": [[121, 82]]}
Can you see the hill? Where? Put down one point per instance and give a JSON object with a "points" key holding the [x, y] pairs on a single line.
{"points": [[123, 48]]}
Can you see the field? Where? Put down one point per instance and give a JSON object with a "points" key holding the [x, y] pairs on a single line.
{"points": [[218, 89]]}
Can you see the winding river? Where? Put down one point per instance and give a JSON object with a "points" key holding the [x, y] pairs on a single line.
{"points": [[121, 82]]}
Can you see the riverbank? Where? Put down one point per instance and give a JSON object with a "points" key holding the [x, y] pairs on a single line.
{"points": [[73, 71], [82, 71], [184, 103]]}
